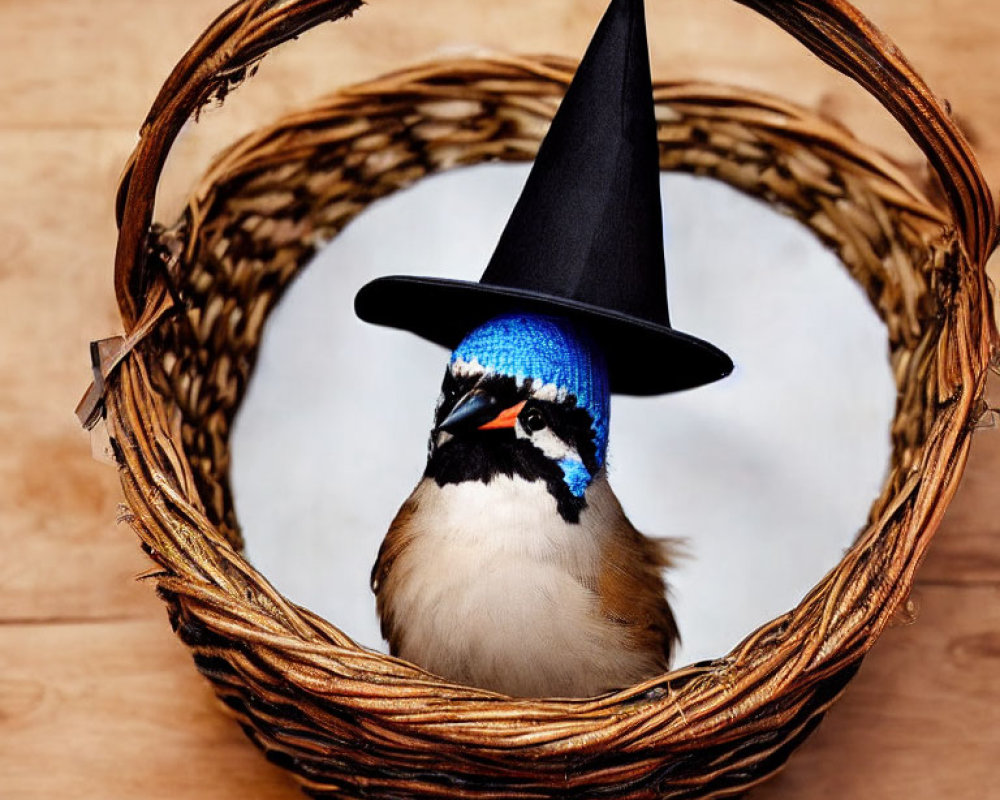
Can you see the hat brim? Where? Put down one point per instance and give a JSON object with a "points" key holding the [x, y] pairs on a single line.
{"points": [[643, 358]]}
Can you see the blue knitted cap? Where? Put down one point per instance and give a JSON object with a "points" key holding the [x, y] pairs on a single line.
{"points": [[549, 350]]}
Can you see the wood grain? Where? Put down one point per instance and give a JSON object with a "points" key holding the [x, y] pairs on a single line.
{"points": [[922, 719], [114, 710], [55, 232], [97, 699], [967, 550]]}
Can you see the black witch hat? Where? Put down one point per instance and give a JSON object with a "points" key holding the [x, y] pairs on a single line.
{"points": [[585, 240]]}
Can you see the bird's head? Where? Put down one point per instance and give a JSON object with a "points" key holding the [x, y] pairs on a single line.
{"points": [[524, 395]]}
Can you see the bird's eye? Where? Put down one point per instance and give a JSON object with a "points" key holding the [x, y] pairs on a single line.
{"points": [[534, 420]]}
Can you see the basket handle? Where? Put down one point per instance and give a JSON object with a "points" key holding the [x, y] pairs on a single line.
{"points": [[225, 54], [832, 29], [840, 35]]}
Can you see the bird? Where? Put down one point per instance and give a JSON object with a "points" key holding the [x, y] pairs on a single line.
{"points": [[512, 566]]}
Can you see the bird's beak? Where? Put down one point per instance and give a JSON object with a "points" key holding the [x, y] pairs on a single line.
{"points": [[505, 419], [470, 411], [478, 409]]}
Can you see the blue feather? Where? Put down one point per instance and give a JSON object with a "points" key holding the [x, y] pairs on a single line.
{"points": [[575, 475]]}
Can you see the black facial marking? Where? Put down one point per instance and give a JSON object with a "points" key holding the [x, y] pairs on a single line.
{"points": [[569, 423], [483, 455]]}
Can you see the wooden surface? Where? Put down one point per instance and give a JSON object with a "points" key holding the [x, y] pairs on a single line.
{"points": [[97, 698]]}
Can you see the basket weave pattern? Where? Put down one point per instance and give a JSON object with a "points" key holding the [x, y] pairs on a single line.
{"points": [[352, 723]]}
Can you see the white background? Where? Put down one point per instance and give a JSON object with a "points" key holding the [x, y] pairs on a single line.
{"points": [[768, 474]]}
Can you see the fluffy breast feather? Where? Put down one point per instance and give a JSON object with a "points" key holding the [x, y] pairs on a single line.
{"points": [[485, 584]]}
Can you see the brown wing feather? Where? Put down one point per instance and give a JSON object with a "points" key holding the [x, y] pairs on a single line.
{"points": [[395, 542], [632, 590]]}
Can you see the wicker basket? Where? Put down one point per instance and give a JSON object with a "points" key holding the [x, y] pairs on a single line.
{"points": [[194, 296]]}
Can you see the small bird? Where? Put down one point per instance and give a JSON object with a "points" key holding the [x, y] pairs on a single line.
{"points": [[512, 566]]}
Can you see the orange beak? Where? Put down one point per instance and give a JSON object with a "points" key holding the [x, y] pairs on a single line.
{"points": [[505, 419]]}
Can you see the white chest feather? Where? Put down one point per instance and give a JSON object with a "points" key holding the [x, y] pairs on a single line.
{"points": [[495, 589]]}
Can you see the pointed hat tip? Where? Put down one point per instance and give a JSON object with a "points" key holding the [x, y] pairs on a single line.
{"points": [[585, 238]]}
